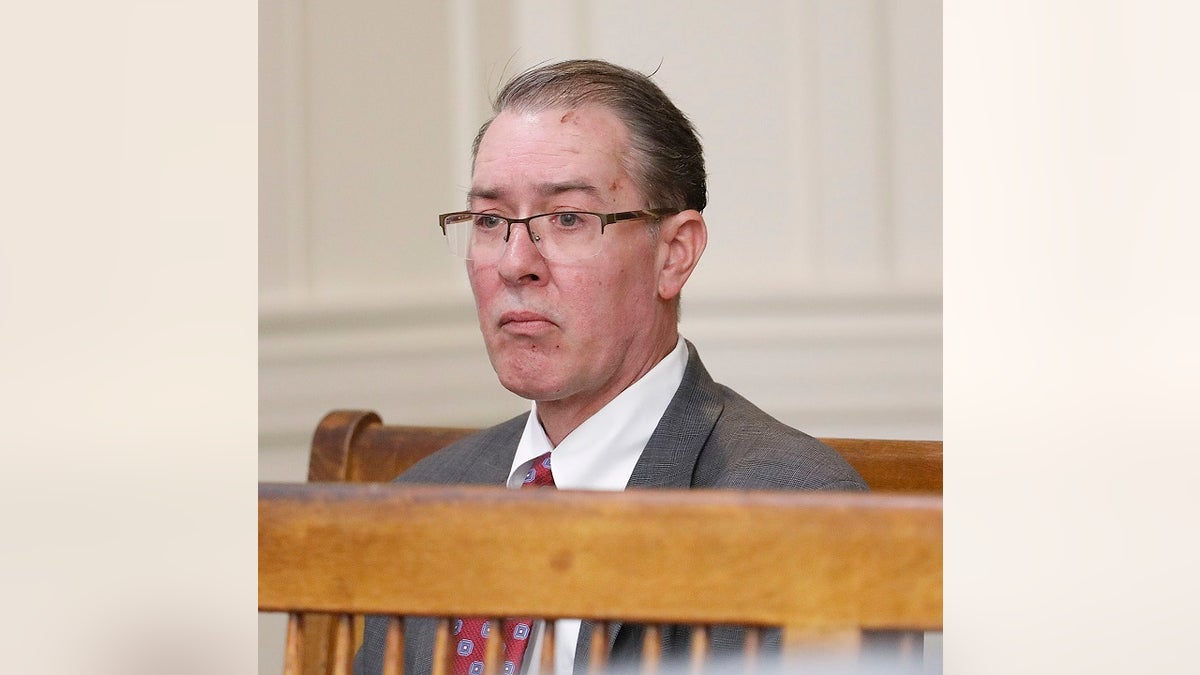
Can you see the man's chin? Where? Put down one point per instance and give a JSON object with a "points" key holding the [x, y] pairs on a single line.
{"points": [[530, 373], [534, 388], [531, 391]]}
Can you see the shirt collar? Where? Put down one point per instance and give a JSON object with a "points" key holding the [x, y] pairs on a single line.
{"points": [[600, 453]]}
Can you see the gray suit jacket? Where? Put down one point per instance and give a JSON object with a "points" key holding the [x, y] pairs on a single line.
{"points": [[709, 437]]}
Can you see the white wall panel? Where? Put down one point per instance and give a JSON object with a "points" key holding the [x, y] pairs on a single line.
{"points": [[282, 220], [866, 366], [913, 40], [853, 224], [819, 296], [378, 166]]}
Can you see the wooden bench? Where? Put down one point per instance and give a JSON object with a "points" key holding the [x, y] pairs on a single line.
{"points": [[356, 446], [819, 566]]}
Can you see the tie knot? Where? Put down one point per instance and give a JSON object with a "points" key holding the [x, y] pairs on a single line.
{"points": [[539, 474]]}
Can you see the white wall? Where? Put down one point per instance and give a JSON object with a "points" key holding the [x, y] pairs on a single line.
{"points": [[819, 296]]}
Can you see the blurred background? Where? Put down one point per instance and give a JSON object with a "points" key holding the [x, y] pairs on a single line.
{"points": [[819, 297]]}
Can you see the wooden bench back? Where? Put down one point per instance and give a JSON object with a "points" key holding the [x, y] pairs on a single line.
{"points": [[816, 565], [356, 446]]}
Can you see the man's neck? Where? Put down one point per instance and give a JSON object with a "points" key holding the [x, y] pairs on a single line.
{"points": [[560, 417]]}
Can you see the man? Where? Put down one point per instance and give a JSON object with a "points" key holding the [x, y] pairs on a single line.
{"points": [[583, 224]]}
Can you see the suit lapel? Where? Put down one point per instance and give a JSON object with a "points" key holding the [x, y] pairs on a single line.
{"points": [[671, 454], [492, 455], [419, 636], [670, 457]]}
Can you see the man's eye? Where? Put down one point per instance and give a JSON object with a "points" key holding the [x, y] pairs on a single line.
{"points": [[568, 219], [488, 222]]}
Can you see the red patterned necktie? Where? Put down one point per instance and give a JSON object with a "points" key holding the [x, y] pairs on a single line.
{"points": [[470, 634]]}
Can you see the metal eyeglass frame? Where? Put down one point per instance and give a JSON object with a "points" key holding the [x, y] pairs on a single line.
{"points": [[606, 219]]}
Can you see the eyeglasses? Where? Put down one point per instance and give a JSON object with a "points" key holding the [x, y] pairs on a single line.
{"points": [[566, 236]]}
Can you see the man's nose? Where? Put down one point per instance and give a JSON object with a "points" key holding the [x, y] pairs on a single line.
{"points": [[515, 233], [521, 258]]}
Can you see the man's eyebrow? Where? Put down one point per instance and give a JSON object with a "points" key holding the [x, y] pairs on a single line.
{"points": [[553, 189], [545, 190], [484, 193]]}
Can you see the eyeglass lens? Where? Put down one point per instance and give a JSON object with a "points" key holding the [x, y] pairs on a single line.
{"points": [[558, 236]]}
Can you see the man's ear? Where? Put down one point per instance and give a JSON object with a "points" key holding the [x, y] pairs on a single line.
{"points": [[683, 238]]}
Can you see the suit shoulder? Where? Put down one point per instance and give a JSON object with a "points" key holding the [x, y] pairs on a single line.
{"points": [[750, 449], [483, 457]]}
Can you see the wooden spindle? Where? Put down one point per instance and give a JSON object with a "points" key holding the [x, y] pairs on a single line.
{"points": [[343, 654], [651, 649], [836, 647], [599, 654], [493, 660], [393, 650], [441, 648], [753, 640], [911, 647], [548, 646], [294, 648], [828, 640], [699, 649]]}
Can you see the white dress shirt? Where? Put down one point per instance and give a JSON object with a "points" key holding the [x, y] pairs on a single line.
{"points": [[598, 455]]}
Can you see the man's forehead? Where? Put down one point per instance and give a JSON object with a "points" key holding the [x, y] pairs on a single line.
{"points": [[595, 125], [548, 152]]}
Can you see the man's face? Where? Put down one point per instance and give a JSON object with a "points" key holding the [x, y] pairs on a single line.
{"points": [[574, 333]]}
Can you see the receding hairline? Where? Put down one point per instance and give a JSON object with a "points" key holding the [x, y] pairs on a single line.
{"points": [[538, 107], [626, 150]]}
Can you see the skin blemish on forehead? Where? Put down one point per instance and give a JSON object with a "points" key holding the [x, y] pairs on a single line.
{"points": [[567, 117]]}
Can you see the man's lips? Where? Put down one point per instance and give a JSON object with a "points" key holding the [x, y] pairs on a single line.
{"points": [[525, 322]]}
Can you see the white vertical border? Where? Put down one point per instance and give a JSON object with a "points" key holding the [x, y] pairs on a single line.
{"points": [[1071, 332], [127, 318]]}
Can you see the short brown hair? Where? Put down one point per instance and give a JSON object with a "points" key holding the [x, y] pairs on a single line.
{"points": [[667, 162]]}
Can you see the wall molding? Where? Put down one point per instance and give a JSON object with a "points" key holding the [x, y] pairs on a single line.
{"points": [[865, 365]]}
